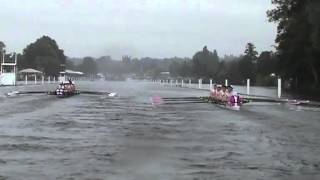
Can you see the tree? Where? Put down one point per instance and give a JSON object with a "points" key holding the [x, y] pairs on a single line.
{"points": [[247, 65], [2, 46], [88, 66], [266, 63], [297, 40], [251, 52], [205, 63], [44, 54], [70, 64], [2, 50]]}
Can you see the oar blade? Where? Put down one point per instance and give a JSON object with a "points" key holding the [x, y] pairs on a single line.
{"points": [[15, 93], [110, 94], [156, 100]]}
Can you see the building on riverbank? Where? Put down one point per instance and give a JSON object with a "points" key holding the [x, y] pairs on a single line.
{"points": [[8, 72]]}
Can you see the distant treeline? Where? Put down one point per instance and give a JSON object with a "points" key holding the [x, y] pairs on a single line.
{"points": [[138, 67], [205, 64]]}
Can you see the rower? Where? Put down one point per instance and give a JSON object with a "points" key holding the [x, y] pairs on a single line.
{"points": [[217, 95], [234, 99], [229, 91], [224, 93], [213, 91]]}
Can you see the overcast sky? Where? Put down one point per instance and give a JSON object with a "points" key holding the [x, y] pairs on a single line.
{"points": [[139, 28]]}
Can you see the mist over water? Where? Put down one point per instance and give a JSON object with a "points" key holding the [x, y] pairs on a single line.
{"points": [[98, 137]]}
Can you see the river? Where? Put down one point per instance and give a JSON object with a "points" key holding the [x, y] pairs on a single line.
{"points": [[126, 138]]}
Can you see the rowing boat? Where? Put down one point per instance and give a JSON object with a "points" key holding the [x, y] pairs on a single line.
{"points": [[236, 106], [66, 89], [157, 100]]}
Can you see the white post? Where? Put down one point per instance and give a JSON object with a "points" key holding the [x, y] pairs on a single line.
{"points": [[176, 82], [189, 83], [2, 61], [26, 77], [279, 87], [226, 82], [171, 82], [248, 86], [35, 79], [200, 83], [54, 79], [182, 83], [49, 80], [210, 83], [42, 80]]}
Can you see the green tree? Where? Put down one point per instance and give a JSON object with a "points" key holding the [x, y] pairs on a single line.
{"points": [[70, 64], [205, 63], [298, 40], [266, 63], [247, 65], [2, 46], [88, 66], [2, 50], [44, 54]]}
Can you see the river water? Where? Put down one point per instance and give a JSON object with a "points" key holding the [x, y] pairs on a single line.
{"points": [[126, 138]]}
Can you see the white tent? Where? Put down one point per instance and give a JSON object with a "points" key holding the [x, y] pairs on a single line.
{"points": [[70, 72], [30, 71]]}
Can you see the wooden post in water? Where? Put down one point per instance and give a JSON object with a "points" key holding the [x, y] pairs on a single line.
{"points": [[248, 86], [176, 82], [210, 84], [35, 79], [171, 82], [279, 87], [26, 77], [182, 83], [42, 79], [54, 79], [189, 83], [49, 80]]}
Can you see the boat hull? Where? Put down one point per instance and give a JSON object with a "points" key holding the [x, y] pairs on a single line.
{"points": [[225, 104]]}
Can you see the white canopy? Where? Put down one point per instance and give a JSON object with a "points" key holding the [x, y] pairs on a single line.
{"points": [[68, 71], [30, 71]]}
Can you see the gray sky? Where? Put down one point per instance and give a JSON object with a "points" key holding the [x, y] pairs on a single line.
{"points": [[139, 28]]}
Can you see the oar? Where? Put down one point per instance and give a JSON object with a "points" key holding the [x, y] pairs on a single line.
{"points": [[187, 102], [180, 98], [254, 95], [291, 102], [14, 93], [110, 94]]}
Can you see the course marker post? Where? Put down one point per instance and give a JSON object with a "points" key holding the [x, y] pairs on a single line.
{"points": [[248, 86], [200, 83], [279, 87]]}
